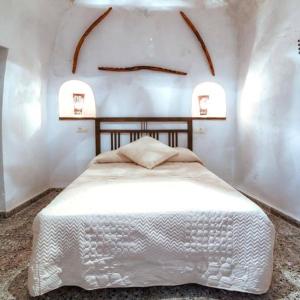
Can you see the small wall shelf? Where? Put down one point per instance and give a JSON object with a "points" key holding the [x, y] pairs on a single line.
{"points": [[120, 119]]}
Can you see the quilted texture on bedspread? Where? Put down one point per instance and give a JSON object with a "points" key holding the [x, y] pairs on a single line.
{"points": [[223, 249], [211, 249]]}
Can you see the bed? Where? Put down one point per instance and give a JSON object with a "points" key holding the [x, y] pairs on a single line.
{"points": [[122, 225]]}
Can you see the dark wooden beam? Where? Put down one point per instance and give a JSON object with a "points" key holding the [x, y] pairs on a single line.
{"points": [[139, 68], [84, 36], [201, 41]]}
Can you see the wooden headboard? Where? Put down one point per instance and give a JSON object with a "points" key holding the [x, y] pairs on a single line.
{"points": [[144, 129]]}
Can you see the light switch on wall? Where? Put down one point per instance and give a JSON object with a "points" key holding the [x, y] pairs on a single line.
{"points": [[82, 130]]}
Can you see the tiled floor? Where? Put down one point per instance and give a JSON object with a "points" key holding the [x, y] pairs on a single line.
{"points": [[15, 248]]}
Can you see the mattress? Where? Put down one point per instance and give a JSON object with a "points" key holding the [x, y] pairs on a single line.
{"points": [[121, 225]]}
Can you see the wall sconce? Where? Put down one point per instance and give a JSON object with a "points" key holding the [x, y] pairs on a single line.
{"points": [[203, 104], [78, 100]]}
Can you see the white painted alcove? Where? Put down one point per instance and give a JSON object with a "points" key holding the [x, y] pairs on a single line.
{"points": [[216, 106], [66, 104]]}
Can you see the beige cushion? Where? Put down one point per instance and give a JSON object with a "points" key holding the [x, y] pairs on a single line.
{"points": [[185, 155], [148, 152], [110, 157]]}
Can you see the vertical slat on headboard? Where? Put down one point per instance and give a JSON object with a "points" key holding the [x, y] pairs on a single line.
{"points": [[115, 141], [119, 139]]}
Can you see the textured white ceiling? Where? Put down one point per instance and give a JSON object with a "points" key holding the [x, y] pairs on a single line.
{"points": [[158, 4]]}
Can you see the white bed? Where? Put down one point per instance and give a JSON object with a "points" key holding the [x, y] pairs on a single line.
{"points": [[121, 225]]}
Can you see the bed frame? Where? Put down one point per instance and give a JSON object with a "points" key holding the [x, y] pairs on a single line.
{"points": [[134, 134]]}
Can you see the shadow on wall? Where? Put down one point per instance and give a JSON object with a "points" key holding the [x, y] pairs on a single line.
{"points": [[142, 94], [3, 59], [246, 53], [268, 114], [24, 125], [80, 150]]}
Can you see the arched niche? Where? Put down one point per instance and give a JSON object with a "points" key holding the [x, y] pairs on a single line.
{"points": [[209, 101], [76, 100]]}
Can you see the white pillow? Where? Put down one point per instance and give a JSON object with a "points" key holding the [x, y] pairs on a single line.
{"points": [[110, 157], [148, 152], [185, 155]]}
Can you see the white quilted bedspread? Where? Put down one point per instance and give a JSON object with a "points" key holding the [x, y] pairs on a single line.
{"points": [[120, 225]]}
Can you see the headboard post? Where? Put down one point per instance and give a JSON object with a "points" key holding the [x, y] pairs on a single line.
{"points": [[190, 133], [97, 137]]}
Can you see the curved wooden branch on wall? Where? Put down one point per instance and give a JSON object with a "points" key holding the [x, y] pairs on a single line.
{"points": [[84, 36], [199, 38], [139, 68]]}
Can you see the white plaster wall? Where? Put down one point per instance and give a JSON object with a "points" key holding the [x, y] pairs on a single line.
{"points": [[268, 148], [142, 36], [28, 29]]}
